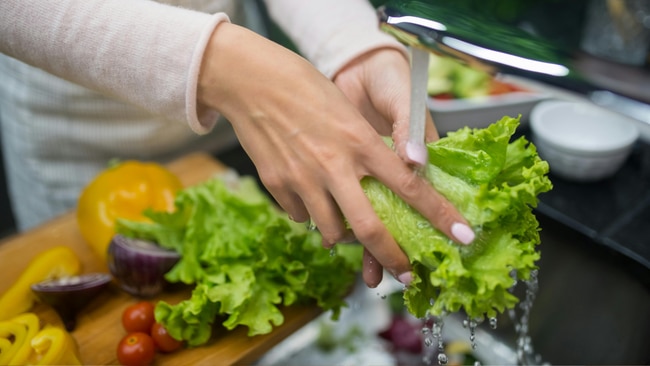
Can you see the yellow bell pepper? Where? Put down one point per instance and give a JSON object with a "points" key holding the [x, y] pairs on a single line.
{"points": [[15, 333], [124, 190], [32, 324], [54, 346], [23, 342], [59, 261]]}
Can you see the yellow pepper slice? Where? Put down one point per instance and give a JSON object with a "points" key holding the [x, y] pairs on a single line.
{"points": [[32, 324], [15, 333], [23, 342], [54, 346], [59, 261], [123, 191], [5, 345]]}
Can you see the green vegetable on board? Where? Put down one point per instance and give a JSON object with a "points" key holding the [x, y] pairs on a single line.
{"points": [[494, 183], [245, 258]]}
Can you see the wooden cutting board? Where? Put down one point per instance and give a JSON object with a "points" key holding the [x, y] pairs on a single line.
{"points": [[99, 327]]}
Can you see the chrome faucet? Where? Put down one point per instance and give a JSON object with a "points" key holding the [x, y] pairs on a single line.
{"points": [[495, 47], [477, 42]]}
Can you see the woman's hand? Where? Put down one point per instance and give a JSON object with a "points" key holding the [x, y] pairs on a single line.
{"points": [[311, 146], [378, 84]]}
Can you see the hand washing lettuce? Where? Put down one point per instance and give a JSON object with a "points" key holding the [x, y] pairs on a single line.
{"points": [[494, 183], [245, 258]]}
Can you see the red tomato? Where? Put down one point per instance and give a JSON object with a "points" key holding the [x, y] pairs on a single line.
{"points": [[138, 317], [163, 340], [136, 349]]}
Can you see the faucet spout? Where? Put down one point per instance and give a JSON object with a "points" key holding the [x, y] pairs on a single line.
{"points": [[478, 43]]}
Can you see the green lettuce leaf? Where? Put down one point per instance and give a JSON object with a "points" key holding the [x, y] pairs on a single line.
{"points": [[245, 258], [495, 184]]}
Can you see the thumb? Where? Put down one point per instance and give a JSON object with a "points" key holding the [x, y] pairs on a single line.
{"points": [[414, 153]]}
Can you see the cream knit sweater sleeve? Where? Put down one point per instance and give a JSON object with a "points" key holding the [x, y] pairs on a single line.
{"points": [[331, 33], [149, 54], [139, 51]]}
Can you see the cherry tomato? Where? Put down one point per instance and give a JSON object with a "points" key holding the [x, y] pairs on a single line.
{"points": [[136, 349], [163, 340], [138, 317]]}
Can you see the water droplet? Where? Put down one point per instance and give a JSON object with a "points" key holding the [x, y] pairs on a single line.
{"points": [[332, 252], [477, 363], [493, 323], [436, 330], [442, 359], [428, 341], [472, 324], [425, 330]]}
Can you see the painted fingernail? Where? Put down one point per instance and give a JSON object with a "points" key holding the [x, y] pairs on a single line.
{"points": [[405, 278], [462, 232], [416, 152]]}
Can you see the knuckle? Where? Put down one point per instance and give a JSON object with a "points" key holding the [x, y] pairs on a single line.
{"points": [[368, 230], [411, 185], [271, 179]]}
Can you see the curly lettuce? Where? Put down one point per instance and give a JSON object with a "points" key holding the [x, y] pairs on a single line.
{"points": [[245, 259], [494, 183]]}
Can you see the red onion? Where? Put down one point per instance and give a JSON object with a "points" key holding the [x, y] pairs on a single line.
{"points": [[68, 295], [139, 266]]}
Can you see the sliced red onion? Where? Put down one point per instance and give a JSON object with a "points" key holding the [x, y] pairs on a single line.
{"points": [[139, 266], [69, 295]]}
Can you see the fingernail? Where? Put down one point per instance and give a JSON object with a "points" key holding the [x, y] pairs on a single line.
{"points": [[405, 278], [462, 232], [416, 152]]}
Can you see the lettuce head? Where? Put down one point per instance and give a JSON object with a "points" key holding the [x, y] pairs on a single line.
{"points": [[494, 182], [245, 259]]}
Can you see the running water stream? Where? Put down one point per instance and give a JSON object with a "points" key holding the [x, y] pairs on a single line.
{"points": [[433, 337], [525, 353]]}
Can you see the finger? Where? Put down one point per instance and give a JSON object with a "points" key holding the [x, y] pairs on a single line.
{"points": [[419, 193], [328, 218], [411, 152], [369, 229], [372, 272], [289, 201]]}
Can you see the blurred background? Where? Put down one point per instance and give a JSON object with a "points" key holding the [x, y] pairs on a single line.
{"points": [[575, 25]]}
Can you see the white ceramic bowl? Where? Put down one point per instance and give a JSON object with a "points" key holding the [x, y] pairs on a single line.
{"points": [[581, 141]]}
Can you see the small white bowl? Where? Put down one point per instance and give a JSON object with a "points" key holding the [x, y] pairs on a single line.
{"points": [[581, 141]]}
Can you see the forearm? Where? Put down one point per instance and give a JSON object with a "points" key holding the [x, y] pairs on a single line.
{"points": [[138, 51], [331, 33]]}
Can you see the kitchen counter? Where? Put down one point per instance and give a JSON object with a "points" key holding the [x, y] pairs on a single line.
{"points": [[614, 212], [99, 328]]}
